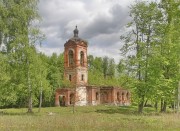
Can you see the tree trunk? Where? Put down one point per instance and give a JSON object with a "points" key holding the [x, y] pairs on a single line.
{"points": [[164, 106], [30, 93], [30, 103], [140, 106], [40, 98], [178, 97], [161, 105], [145, 104], [156, 106], [74, 100]]}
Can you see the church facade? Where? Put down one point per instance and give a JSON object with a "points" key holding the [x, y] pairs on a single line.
{"points": [[76, 71]]}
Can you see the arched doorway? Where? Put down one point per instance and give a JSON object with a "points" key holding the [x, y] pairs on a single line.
{"points": [[62, 100], [97, 96], [72, 99], [127, 96], [123, 99], [118, 99], [104, 97]]}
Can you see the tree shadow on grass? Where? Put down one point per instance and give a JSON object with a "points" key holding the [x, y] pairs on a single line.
{"points": [[126, 110], [16, 113]]}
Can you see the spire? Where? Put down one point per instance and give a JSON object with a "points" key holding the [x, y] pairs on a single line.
{"points": [[76, 31]]}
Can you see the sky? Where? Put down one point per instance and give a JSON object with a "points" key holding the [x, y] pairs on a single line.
{"points": [[100, 22]]}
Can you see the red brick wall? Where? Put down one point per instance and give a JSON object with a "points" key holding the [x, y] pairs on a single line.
{"points": [[76, 70]]}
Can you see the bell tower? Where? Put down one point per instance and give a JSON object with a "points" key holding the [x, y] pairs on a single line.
{"points": [[75, 60], [75, 64]]}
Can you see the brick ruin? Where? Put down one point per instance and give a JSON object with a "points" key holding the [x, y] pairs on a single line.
{"points": [[76, 71]]}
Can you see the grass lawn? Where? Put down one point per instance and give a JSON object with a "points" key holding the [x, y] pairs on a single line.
{"points": [[89, 118]]}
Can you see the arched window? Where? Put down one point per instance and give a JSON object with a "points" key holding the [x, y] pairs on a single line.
{"points": [[62, 100], [97, 95], [72, 99], [118, 97], [71, 58], [104, 97], [123, 96], [82, 58], [127, 96]]}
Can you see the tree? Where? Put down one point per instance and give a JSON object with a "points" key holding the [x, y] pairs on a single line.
{"points": [[111, 68], [138, 48], [4, 82], [150, 52], [55, 74], [101, 71], [19, 35], [170, 49], [105, 67]]}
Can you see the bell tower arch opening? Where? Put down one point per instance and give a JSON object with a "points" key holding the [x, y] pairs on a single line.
{"points": [[70, 58], [82, 58]]}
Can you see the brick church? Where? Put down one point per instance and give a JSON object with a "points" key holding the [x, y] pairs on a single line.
{"points": [[76, 71]]}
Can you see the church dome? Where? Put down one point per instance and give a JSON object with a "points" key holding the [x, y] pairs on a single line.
{"points": [[76, 37]]}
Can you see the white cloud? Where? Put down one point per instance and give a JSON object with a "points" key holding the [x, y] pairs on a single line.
{"points": [[100, 22]]}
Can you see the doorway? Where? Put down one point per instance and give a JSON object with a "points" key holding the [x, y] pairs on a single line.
{"points": [[72, 99], [104, 97], [62, 100]]}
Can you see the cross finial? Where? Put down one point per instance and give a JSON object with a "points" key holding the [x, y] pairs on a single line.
{"points": [[76, 31]]}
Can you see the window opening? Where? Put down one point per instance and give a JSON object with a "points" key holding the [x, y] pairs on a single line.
{"points": [[82, 77], [69, 77], [70, 58], [118, 96], [72, 99], [123, 96], [127, 96], [97, 95], [82, 58]]}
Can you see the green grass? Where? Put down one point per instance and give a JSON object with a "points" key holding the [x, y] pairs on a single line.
{"points": [[90, 118]]}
